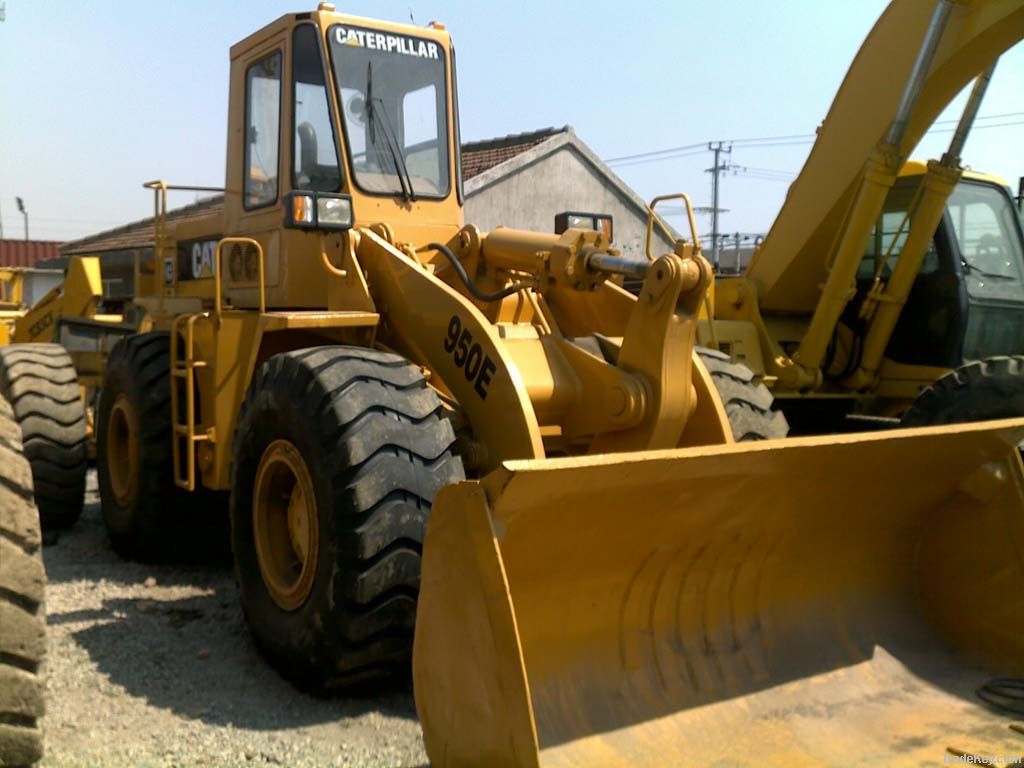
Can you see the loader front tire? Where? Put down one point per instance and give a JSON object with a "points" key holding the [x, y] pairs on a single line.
{"points": [[41, 384], [133, 446], [22, 608], [339, 452], [748, 402], [981, 390]]}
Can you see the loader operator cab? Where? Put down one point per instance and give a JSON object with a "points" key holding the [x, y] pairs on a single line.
{"points": [[335, 122], [967, 301]]}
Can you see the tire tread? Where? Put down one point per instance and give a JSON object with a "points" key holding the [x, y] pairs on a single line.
{"points": [[747, 401], [41, 384], [390, 449], [22, 605]]}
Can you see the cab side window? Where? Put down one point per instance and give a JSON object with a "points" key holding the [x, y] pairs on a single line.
{"points": [[262, 134], [315, 164]]}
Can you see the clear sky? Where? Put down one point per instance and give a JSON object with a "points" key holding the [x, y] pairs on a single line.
{"points": [[98, 97]]}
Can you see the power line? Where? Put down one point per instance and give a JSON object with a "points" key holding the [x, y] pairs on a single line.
{"points": [[985, 117], [790, 140], [754, 169], [702, 147]]}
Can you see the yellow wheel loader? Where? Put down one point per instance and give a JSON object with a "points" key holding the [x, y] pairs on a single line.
{"points": [[607, 577], [890, 292], [51, 365]]}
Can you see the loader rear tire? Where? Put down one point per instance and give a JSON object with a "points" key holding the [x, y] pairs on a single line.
{"points": [[22, 608], [133, 446], [41, 384], [340, 450], [748, 402], [981, 390]]}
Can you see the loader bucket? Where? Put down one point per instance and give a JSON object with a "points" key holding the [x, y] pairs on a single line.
{"points": [[813, 601]]}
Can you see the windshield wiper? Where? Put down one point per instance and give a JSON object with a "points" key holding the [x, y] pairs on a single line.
{"points": [[970, 269], [408, 193]]}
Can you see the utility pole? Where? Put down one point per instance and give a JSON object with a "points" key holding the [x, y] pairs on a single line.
{"points": [[719, 149], [1020, 195], [21, 207]]}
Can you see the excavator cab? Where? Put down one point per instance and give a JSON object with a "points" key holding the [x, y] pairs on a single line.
{"points": [[967, 301]]}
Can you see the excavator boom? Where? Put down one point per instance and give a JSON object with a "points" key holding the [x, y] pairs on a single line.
{"points": [[794, 260]]}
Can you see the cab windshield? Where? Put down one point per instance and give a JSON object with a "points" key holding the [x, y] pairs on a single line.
{"points": [[393, 98]]}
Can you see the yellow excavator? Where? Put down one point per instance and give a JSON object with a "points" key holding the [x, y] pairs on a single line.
{"points": [[890, 292], [482, 436]]}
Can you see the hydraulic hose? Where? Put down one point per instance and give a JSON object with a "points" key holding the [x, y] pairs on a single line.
{"points": [[1005, 694], [474, 291]]}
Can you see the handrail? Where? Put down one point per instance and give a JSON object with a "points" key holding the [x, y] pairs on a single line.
{"points": [[160, 189], [652, 217], [216, 271]]}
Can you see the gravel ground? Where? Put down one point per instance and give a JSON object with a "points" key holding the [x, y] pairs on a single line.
{"points": [[153, 666]]}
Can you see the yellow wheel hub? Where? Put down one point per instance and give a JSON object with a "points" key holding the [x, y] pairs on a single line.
{"points": [[285, 525], [122, 451]]}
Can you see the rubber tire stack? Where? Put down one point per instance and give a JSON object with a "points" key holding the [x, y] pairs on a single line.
{"points": [[981, 390], [41, 384], [378, 448], [22, 609], [748, 402]]}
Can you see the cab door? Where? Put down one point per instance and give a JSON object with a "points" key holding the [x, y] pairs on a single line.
{"points": [[988, 240], [257, 142]]}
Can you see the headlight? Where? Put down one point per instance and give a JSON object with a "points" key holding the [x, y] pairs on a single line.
{"points": [[318, 210], [334, 212]]}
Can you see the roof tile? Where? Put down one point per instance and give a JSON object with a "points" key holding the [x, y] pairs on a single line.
{"points": [[25, 253]]}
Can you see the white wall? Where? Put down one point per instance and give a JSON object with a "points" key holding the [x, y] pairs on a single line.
{"points": [[529, 196]]}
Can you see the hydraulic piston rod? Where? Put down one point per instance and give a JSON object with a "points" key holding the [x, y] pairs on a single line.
{"points": [[616, 265]]}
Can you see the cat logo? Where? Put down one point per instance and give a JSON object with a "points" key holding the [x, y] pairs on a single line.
{"points": [[202, 258], [387, 43], [195, 258]]}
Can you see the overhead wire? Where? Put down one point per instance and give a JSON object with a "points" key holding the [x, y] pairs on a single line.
{"points": [[787, 140]]}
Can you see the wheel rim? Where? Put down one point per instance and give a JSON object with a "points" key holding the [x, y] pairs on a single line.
{"points": [[122, 450], [285, 525]]}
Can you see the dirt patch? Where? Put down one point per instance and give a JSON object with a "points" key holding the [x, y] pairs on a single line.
{"points": [[153, 666]]}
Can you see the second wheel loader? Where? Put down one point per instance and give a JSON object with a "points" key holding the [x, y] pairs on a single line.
{"points": [[52, 356], [608, 576]]}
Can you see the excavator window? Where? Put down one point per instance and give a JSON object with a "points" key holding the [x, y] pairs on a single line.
{"points": [[393, 95], [262, 134], [988, 238], [315, 161], [987, 234]]}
